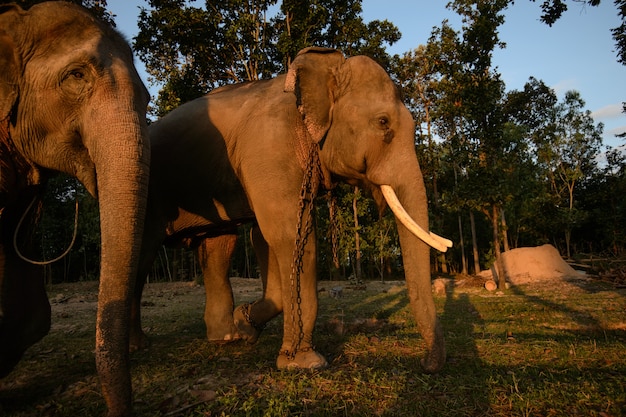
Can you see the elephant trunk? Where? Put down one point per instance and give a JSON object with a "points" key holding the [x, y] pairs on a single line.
{"points": [[416, 259], [121, 156]]}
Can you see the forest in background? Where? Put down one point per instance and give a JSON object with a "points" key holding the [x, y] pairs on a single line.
{"points": [[503, 168]]}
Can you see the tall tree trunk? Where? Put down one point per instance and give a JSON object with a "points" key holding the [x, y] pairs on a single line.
{"points": [[382, 258], [462, 244], [443, 263], [474, 244], [357, 238], [505, 235], [495, 220]]}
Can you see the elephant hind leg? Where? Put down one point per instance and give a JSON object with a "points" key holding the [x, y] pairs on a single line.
{"points": [[214, 255], [247, 327], [153, 236], [138, 339]]}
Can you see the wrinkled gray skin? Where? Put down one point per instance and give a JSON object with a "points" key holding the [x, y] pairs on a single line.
{"points": [[71, 101], [233, 156]]}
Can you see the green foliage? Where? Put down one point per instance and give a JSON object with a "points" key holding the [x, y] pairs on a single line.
{"points": [[55, 227], [520, 153], [533, 158], [378, 238], [604, 228], [190, 50], [333, 24], [619, 32]]}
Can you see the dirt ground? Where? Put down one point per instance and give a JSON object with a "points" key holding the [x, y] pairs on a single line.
{"points": [[542, 266], [172, 314]]}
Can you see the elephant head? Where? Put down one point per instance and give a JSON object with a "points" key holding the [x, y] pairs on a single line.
{"points": [[71, 101], [354, 111]]}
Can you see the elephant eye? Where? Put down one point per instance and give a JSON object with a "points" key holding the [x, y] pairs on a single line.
{"points": [[76, 82], [385, 126]]}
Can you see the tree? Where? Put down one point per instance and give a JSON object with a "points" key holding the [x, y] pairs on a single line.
{"points": [[529, 114], [470, 96], [332, 24], [191, 50], [552, 10], [604, 229], [569, 156]]}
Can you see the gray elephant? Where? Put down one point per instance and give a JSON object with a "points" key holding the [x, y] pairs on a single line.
{"points": [[71, 101], [243, 153]]}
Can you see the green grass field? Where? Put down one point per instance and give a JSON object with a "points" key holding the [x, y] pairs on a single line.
{"points": [[548, 349]]}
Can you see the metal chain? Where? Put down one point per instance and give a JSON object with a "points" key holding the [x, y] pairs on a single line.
{"points": [[308, 192], [245, 310], [334, 226]]}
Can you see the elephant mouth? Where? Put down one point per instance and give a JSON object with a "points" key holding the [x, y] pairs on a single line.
{"points": [[437, 242]]}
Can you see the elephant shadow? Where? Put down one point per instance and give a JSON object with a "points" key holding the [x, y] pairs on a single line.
{"points": [[23, 392], [382, 324]]}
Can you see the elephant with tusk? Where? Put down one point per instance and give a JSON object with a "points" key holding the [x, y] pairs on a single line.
{"points": [[259, 151]]}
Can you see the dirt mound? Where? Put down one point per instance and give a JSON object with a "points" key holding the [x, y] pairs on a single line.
{"points": [[539, 263]]}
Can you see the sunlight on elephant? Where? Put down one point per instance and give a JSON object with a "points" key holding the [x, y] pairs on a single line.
{"points": [[240, 154], [71, 101]]}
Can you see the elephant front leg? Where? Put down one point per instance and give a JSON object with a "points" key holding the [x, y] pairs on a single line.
{"points": [[300, 306], [214, 255], [251, 318]]}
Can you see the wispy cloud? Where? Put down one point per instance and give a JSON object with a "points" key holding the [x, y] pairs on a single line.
{"points": [[611, 111], [564, 86], [616, 131]]}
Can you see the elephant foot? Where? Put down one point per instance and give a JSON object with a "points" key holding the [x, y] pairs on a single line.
{"points": [[223, 335], [303, 359], [138, 341], [430, 366], [247, 328], [434, 361]]}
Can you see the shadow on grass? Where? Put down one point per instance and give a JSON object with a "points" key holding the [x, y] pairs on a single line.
{"points": [[460, 389], [374, 367], [461, 322], [45, 371], [530, 373], [584, 321]]}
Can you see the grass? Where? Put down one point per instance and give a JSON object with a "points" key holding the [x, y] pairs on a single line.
{"points": [[555, 349]]}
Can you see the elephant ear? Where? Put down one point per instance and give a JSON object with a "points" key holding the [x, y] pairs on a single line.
{"points": [[9, 75], [311, 77]]}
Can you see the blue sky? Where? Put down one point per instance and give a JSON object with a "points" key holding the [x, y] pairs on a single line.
{"points": [[577, 53]]}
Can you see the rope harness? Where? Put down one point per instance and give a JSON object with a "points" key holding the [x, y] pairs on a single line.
{"points": [[51, 261], [17, 166]]}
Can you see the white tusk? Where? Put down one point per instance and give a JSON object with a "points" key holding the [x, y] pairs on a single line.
{"points": [[446, 242], [431, 239]]}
